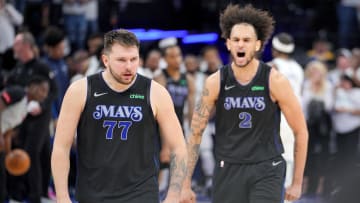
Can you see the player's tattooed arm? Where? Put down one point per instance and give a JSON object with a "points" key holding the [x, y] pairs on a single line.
{"points": [[199, 121], [178, 168]]}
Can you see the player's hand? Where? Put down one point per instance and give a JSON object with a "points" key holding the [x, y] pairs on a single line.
{"points": [[187, 195], [170, 200], [34, 108], [293, 192], [63, 200]]}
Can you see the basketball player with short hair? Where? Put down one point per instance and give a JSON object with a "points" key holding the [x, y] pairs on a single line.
{"points": [[115, 115], [249, 97]]}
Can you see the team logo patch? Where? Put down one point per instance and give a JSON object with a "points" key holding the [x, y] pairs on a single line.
{"points": [[137, 96]]}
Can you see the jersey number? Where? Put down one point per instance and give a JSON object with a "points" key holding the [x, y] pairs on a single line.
{"points": [[110, 125], [245, 118]]}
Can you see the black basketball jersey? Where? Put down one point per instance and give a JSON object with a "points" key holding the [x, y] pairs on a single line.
{"points": [[116, 142], [179, 91], [247, 120]]}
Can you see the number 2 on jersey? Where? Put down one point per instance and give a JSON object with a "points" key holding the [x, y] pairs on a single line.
{"points": [[110, 125], [245, 118]]}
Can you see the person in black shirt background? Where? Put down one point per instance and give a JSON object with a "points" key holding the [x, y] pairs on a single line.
{"points": [[34, 131]]}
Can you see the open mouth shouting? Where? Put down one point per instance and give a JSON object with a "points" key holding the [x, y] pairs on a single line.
{"points": [[240, 54], [240, 58]]}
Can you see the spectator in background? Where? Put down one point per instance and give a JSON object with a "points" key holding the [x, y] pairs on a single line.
{"points": [[54, 47], [355, 63], [75, 22], [79, 65], [36, 17], [210, 63], [346, 122], [343, 66], [20, 5], [211, 60], [34, 131], [94, 42], [91, 16], [207, 158], [9, 19], [151, 68], [55, 12], [182, 90], [108, 15], [317, 100], [348, 12], [13, 104], [283, 46], [95, 45], [321, 50]]}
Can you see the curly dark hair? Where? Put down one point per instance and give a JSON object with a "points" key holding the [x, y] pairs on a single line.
{"points": [[261, 20]]}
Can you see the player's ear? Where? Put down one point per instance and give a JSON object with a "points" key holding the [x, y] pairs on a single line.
{"points": [[228, 44], [105, 59], [258, 45]]}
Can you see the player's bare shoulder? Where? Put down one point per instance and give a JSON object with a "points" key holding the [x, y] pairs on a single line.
{"points": [[212, 85], [279, 84], [159, 96], [78, 86], [77, 92]]}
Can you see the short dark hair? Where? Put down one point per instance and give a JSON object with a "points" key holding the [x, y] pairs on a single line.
{"points": [[208, 48], [53, 36], [261, 20], [164, 50], [285, 38], [122, 37], [37, 79], [96, 35]]}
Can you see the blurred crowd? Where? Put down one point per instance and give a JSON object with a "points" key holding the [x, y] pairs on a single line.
{"points": [[47, 45]]}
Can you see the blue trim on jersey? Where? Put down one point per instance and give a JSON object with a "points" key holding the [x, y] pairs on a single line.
{"points": [[277, 142], [284, 189], [77, 172], [157, 164]]}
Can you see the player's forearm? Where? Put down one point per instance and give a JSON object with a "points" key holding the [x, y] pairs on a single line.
{"points": [[178, 170], [193, 151], [191, 105], [60, 165], [198, 124], [300, 153]]}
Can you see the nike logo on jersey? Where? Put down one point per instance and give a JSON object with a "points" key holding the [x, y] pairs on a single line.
{"points": [[96, 94], [276, 163], [229, 87]]}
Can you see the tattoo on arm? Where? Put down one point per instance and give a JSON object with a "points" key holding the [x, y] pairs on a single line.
{"points": [[178, 169], [198, 124], [193, 156]]}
